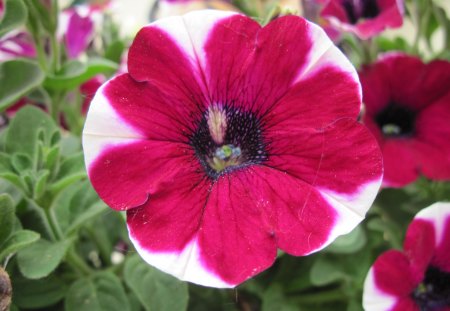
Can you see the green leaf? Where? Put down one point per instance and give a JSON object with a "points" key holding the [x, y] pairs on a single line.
{"points": [[156, 290], [18, 240], [101, 292], [75, 73], [34, 294], [90, 213], [24, 129], [17, 78], [324, 272], [15, 15], [41, 184], [349, 243], [274, 299], [41, 258], [21, 162], [6, 217]]}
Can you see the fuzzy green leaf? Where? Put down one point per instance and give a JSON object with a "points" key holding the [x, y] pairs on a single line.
{"points": [[156, 290], [15, 16], [17, 78], [41, 258], [104, 291], [17, 241], [6, 217]]}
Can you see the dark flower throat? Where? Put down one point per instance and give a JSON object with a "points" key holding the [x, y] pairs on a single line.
{"points": [[357, 9], [227, 139], [396, 121], [434, 293]]}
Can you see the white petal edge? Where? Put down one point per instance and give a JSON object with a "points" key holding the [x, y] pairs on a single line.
{"points": [[324, 53], [191, 31], [375, 299], [437, 214], [104, 128], [185, 266], [351, 209]]}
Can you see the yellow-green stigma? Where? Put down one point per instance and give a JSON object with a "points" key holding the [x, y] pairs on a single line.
{"points": [[225, 156]]}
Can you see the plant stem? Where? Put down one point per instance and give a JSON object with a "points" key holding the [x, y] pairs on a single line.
{"points": [[76, 262]]}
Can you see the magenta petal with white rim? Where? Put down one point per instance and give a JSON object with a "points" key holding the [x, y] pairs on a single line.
{"points": [[417, 278], [226, 141]]}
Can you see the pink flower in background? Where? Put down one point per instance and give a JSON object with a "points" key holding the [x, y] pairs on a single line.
{"points": [[226, 141], [77, 26], [408, 110], [365, 18], [16, 44], [417, 278]]}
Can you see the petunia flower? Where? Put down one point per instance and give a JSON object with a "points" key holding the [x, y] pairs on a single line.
{"points": [[16, 44], [226, 141], [417, 278], [408, 110], [365, 18]]}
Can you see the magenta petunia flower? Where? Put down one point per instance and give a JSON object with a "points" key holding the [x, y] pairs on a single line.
{"points": [[365, 18], [419, 277], [226, 141], [408, 110]]}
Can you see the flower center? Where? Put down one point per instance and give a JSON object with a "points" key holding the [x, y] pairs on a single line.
{"points": [[396, 121], [434, 293], [357, 9], [227, 139]]}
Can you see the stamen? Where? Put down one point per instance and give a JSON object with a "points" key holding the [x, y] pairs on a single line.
{"points": [[217, 123]]}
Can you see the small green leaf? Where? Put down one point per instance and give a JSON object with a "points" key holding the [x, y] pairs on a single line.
{"points": [[274, 299], [52, 158], [75, 73], [156, 290], [41, 184], [15, 15], [34, 294], [6, 217], [103, 291], [324, 272], [18, 240], [22, 136], [17, 78], [13, 179], [41, 258], [349, 243]]}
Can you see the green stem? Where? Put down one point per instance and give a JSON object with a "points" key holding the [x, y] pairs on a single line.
{"points": [[51, 217], [103, 250], [76, 262]]}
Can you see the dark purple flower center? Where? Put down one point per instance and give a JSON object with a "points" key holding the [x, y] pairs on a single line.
{"points": [[396, 121], [357, 9], [227, 139], [433, 294]]}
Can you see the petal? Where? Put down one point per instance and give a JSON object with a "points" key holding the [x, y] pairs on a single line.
{"points": [[167, 61], [233, 240], [164, 230], [323, 96], [297, 52], [375, 299], [342, 160], [78, 34], [126, 108], [400, 163], [438, 215], [392, 274], [419, 246], [406, 304], [126, 175]]}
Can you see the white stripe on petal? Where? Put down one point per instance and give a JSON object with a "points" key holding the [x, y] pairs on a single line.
{"points": [[375, 299], [437, 214], [104, 127], [185, 265]]}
